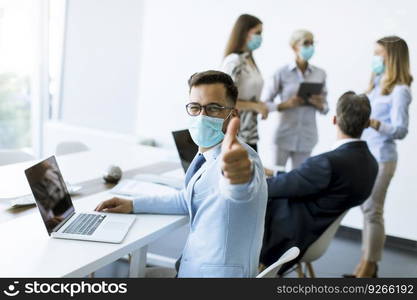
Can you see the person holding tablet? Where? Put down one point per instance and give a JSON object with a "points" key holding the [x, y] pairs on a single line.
{"points": [[296, 133]]}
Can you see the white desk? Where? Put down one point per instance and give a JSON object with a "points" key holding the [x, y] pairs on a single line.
{"points": [[27, 250], [83, 166]]}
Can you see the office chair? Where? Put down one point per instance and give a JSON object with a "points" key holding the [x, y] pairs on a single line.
{"points": [[13, 156], [272, 270], [69, 147], [318, 248]]}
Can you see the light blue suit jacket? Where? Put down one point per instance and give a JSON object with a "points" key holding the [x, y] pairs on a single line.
{"points": [[226, 221]]}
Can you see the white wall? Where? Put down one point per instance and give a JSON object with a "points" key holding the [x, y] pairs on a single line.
{"points": [[94, 139], [185, 36], [101, 62]]}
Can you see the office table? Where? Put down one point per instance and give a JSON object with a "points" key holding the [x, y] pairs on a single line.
{"points": [[28, 251], [86, 169]]}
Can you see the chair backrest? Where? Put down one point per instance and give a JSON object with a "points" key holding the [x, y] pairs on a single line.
{"points": [[319, 247], [13, 156], [273, 269], [70, 147]]}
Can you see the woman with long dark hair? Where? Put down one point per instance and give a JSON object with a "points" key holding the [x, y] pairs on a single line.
{"points": [[246, 37]]}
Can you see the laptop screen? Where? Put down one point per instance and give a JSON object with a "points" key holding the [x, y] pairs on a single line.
{"points": [[50, 192], [186, 147]]}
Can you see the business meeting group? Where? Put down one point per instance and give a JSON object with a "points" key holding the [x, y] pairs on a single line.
{"points": [[243, 216]]}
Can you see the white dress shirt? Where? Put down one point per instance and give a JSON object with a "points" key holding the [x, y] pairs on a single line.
{"points": [[341, 142]]}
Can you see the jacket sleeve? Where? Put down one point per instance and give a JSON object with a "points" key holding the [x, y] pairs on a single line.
{"points": [[310, 178], [250, 191], [174, 203]]}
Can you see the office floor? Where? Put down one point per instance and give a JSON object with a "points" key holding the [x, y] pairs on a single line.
{"points": [[344, 253], [340, 258]]}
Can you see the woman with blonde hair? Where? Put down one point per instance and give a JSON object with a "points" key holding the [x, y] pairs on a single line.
{"points": [[296, 133], [246, 37], [390, 96]]}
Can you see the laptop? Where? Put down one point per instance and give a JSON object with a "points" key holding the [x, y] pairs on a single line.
{"points": [[186, 147], [58, 213]]}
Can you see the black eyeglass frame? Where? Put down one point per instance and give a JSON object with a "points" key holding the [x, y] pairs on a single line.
{"points": [[201, 107]]}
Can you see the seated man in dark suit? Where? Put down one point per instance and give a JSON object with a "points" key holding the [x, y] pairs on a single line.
{"points": [[305, 201]]}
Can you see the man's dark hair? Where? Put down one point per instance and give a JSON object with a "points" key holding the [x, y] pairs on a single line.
{"points": [[213, 77], [353, 112]]}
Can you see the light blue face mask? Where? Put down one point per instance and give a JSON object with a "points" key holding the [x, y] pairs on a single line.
{"points": [[206, 131], [306, 52], [378, 66], [255, 42]]}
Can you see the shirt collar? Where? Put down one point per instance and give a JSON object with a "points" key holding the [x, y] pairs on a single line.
{"points": [[211, 155], [341, 142], [293, 66]]}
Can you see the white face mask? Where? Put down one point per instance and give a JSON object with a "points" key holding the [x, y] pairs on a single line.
{"points": [[378, 66], [206, 131], [255, 42]]}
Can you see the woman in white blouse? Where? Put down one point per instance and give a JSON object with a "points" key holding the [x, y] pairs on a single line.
{"points": [[246, 36], [296, 133]]}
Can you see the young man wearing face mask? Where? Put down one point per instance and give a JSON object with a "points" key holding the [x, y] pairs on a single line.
{"points": [[296, 133], [225, 190]]}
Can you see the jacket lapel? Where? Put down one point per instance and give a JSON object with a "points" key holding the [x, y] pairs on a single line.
{"points": [[190, 189]]}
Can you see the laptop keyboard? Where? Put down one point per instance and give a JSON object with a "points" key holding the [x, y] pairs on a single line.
{"points": [[85, 224]]}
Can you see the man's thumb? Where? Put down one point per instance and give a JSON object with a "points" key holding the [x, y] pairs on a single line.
{"points": [[231, 132]]}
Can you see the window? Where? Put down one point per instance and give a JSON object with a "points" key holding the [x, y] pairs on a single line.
{"points": [[31, 35], [17, 63], [56, 37]]}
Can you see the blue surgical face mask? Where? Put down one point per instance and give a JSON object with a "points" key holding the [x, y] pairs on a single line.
{"points": [[255, 42], [306, 52], [378, 66], [206, 131]]}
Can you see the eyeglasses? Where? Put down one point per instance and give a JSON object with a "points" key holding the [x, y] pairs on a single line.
{"points": [[212, 109]]}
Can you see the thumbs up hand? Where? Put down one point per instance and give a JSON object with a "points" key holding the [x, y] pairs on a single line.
{"points": [[236, 165]]}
